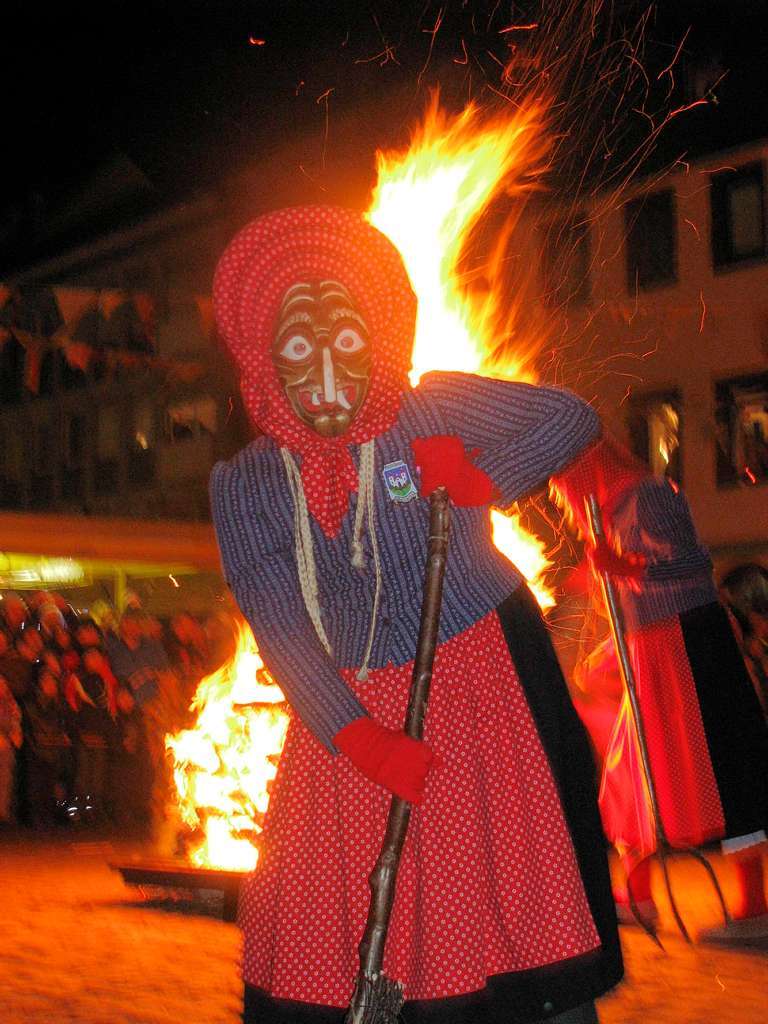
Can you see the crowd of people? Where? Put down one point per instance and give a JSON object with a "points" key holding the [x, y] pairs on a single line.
{"points": [[85, 705]]}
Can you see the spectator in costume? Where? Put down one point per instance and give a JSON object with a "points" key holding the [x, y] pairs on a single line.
{"points": [[745, 590], [10, 741], [707, 740], [95, 698], [140, 663], [188, 651], [503, 900], [20, 664], [48, 747], [128, 768], [15, 668], [15, 613]]}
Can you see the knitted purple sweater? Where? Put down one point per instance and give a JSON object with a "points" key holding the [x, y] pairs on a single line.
{"points": [[525, 434], [654, 519]]}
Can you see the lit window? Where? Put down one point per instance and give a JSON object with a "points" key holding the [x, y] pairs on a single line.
{"points": [[651, 240], [741, 413], [738, 215], [143, 427], [141, 457], [655, 428]]}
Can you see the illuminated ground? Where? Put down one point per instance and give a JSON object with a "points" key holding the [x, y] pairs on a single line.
{"points": [[79, 947]]}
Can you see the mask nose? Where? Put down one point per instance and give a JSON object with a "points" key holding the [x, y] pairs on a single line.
{"points": [[329, 377]]}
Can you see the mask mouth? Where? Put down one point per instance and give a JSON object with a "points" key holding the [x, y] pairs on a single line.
{"points": [[313, 402]]}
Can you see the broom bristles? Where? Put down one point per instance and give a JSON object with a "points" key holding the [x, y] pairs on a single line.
{"points": [[376, 1000]]}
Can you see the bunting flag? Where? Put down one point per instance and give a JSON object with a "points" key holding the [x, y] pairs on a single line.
{"points": [[77, 353], [108, 301], [77, 304], [145, 307], [35, 348], [204, 305], [73, 302]]}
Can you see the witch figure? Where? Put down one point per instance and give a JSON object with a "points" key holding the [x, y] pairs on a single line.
{"points": [[503, 909], [706, 737]]}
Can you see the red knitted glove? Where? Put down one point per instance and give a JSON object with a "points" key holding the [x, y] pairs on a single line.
{"points": [[444, 463], [387, 757], [606, 559]]}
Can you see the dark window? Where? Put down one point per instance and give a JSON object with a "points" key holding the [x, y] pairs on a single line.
{"points": [[738, 215], [565, 263], [651, 240], [72, 483], [46, 447], [655, 427], [76, 435], [10, 493], [108, 446], [141, 466], [741, 416], [41, 490], [72, 376], [48, 375], [12, 357], [106, 476]]}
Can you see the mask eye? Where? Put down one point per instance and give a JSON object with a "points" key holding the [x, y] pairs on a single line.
{"points": [[296, 348], [348, 341]]}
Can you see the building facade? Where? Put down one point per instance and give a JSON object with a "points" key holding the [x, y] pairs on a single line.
{"points": [[663, 304], [114, 398]]}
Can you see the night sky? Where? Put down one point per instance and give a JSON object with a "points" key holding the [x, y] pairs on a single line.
{"points": [[185, 88]]}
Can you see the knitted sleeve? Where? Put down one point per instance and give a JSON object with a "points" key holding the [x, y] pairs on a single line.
{"points": [[665, 533], [525, 432], [260, 568]]}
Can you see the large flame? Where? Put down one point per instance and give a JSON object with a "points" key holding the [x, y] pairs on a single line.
{"points": [[225, 763], [427, 200]]}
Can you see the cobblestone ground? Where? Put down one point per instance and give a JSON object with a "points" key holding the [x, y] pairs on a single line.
{"points": [[77, 946]]}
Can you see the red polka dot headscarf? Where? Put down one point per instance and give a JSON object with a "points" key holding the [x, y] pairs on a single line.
{"points": [[257, 268]]}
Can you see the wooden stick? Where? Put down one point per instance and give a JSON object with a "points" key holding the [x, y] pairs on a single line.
{"points": [[377, 999]]}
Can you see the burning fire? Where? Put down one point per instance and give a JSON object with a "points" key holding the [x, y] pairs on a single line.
{"points": [[428, 200], [225, 763]]}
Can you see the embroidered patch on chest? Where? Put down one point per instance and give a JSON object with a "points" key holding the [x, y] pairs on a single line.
{"points": [[397, 477]]}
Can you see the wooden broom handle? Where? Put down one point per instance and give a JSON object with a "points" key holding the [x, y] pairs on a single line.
{"points": [[384, 875]]}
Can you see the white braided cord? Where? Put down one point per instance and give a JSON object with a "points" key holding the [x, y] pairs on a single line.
{"points": [[305, 555]]}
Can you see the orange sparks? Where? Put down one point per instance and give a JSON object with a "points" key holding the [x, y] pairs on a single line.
{"points": [[465, 58], [693, 228], [519, 28]]}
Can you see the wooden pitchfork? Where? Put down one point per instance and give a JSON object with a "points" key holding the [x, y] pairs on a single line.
{"points": [[376, 998], [664, 850]]}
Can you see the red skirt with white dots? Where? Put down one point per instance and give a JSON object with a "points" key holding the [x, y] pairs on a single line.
{"points": [[488, 882]]}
